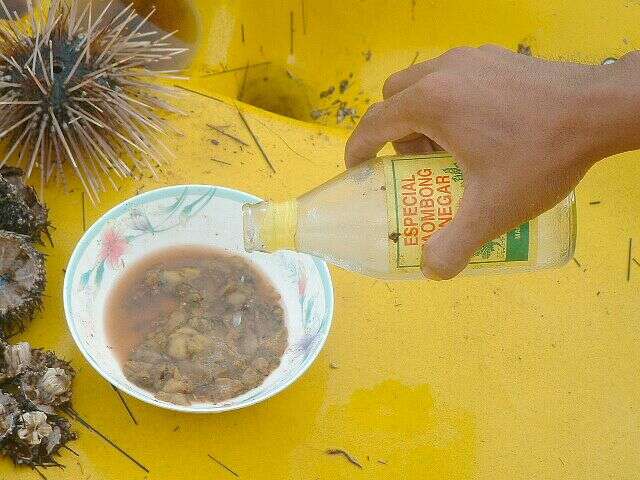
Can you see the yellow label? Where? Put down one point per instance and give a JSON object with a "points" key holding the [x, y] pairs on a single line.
{"points": [[423, 196]]}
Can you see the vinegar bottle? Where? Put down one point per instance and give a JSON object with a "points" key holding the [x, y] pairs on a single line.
{"points": [[374, 219]]}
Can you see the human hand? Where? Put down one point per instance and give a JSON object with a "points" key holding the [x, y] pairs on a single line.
{"points": [[523, 130]]}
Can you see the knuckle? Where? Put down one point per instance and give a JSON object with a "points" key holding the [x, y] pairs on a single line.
{"points": [[437, 87], [425, 86], [492, 47], [390, 86], [371, 112], [458, 53]]}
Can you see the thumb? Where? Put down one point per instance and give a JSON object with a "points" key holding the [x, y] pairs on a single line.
{"points": [[449, 250]]}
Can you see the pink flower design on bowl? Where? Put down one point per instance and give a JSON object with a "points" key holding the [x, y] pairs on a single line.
{"points": [[113, 247]]}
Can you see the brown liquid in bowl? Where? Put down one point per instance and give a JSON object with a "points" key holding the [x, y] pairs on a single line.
{"points": [[195, 324]]}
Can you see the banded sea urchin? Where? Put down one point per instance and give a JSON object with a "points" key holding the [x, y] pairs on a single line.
{"points": [[20, 210], [35, 386], [74, 87], [22, 281]]}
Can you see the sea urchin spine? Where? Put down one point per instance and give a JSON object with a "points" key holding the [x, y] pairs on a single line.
{"points": [[74, 88]]}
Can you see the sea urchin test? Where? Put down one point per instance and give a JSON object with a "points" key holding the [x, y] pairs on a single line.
{"points": [[375, 218]]}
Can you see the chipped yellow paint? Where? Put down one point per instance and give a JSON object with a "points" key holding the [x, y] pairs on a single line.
{"points": [[521, 377]]}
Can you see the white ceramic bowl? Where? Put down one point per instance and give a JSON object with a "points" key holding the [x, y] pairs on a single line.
{"points": [[190, 215]]}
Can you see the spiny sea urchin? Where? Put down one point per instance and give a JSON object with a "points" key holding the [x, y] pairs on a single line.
{"points": [[74, 88], [22, 280]]}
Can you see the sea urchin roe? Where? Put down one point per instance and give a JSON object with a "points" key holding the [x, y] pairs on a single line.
{"points": [[193, 324]]}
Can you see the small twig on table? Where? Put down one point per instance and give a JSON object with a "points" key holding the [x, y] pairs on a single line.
{"points": [[236, 69], [124, 403], [255, 139], [222, 465], [211, 97], [232, 137], [244, 82], [73, 414], [291, 30], [219, 161], [629, 260], [350, 458], [71, 450], [40, 474]]}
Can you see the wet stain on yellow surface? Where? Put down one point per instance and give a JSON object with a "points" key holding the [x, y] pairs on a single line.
{"points": [[393, 428]]}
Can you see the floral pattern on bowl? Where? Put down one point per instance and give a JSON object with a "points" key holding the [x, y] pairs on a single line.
{"points": [[191, 215], [137, 225]]}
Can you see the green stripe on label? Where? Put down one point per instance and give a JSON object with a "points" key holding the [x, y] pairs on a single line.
{"points": [[518, 243]]}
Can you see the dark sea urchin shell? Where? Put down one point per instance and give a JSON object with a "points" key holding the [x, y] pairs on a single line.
{"points": [[46, 383], [20, 210], [34, 384], [22, 281]]}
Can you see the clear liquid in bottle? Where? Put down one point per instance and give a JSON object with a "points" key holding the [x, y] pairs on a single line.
{"points": [[373, 219]]}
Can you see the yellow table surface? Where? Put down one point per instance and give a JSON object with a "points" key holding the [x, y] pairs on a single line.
{"points": [[518, 377]]}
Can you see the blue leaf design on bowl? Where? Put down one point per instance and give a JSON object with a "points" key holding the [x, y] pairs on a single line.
{"points": [[99, 274]]}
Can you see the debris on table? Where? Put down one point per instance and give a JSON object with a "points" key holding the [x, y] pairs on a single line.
{"points": [[344, 112], [350, 458], [629, 259], [327, 92], [344, 106], [319, 113], [222, 130], [524, 49], [222, 465]]}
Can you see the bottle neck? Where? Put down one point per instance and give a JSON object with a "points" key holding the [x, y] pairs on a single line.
{"points": [[269, 227]]}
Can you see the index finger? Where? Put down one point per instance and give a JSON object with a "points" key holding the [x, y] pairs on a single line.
{"points": [[386, 121]]}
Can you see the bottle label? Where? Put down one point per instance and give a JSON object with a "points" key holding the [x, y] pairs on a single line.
{"points": [[423, 195]]}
